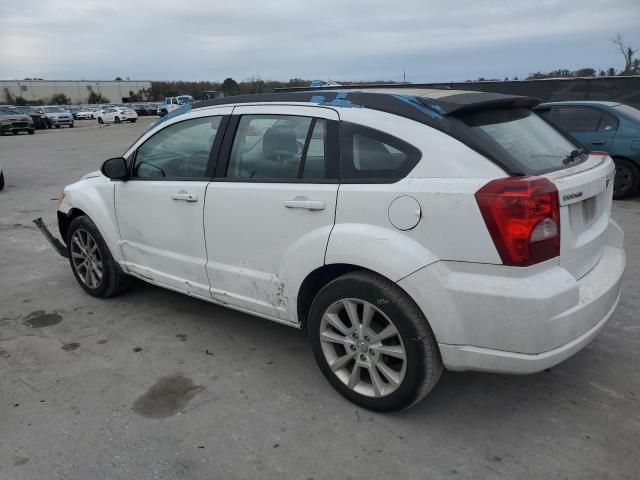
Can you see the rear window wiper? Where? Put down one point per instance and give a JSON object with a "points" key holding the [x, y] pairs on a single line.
{"points": [[573, 156]]}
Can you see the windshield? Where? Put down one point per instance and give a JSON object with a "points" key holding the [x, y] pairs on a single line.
{"points": [[529, 142], [185, 99], [632, 113], [27, 110], [54, 109]]}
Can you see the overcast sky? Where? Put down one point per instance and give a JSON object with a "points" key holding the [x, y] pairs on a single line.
{"points": [[327, 39]]}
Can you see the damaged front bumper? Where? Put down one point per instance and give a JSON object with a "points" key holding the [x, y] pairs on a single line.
{"points": [[59, 247]]}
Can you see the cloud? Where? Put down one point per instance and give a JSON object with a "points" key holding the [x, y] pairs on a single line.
{"points": [[365, 40]]}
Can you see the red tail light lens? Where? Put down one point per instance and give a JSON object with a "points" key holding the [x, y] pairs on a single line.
{"points": [[522, 215]]}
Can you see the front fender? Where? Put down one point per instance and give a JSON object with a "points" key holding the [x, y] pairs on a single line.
{"points": [[94, 196], [385, 251]]}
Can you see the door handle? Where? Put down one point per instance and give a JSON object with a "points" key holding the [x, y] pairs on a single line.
{"points": [[306, 204], [598, 143], [185, 196]]}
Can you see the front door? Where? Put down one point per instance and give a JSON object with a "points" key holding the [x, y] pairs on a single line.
{"points": [[159, 209], [271, 208]]}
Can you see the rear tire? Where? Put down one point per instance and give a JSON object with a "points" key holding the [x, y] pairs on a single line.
{"points": [[133, 120], [57, 126], [31, 132], [1, 181], [383, 377], [627, 179], [71, 126], [100, 121], [91, 261]]}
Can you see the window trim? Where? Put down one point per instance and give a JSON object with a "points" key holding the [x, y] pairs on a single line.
{"points": [[213, 154], [331, 152], [347, 132]]}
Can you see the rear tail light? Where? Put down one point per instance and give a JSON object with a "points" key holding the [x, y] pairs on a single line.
{"points": [[522, 215]]}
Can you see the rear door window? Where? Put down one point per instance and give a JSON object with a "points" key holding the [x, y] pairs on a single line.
{"points": [[521, 137], [577, 119], [278, 147]]}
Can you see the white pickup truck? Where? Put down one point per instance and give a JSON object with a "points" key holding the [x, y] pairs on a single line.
{"points": [[169, 104]]}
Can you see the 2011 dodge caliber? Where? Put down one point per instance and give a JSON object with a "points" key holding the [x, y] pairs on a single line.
{"points": [[406, 231]]}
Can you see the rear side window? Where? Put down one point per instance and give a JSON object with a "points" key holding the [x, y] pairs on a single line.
{"points": [[607, 123], [529, 143], [577, 119], [369, 155]]}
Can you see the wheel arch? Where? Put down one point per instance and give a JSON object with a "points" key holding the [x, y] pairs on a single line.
{"points": [[92, 197], [318, 278]]}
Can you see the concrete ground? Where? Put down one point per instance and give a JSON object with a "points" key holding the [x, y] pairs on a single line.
{"points": [[153, 384]]}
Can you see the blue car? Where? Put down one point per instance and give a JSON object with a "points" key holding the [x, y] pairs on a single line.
{"points": [[605, 126]]}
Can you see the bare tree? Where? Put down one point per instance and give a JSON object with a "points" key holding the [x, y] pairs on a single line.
{"points": [[626, 51]]}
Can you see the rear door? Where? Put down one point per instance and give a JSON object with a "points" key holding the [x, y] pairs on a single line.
{"points": [[271, 207], [592, 127], [159, 209]]}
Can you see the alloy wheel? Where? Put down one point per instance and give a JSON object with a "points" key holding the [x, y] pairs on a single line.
{"points": [[86, 258], [363, 347]]}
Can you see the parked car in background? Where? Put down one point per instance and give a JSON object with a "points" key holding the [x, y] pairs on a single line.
{"points": [[117, 115], [15, 122], [84, 113], [170, 104], [139, 108], [57, 116], [39, 119], [607, 126], [152, 108], [418, 231]]}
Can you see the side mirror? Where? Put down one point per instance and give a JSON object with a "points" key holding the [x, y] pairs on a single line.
{"points": [[115, 169]]}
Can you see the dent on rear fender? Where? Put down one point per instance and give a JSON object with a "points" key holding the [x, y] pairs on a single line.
{"points": [[382, 250]]}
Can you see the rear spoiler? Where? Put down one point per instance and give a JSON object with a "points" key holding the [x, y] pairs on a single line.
{"points": [[466, 102]]}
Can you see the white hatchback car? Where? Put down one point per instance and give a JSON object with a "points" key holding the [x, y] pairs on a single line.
{"points": [[116, 115], [404, 230]]}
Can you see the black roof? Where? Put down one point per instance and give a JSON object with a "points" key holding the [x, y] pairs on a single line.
{"points": [[423, 105]]}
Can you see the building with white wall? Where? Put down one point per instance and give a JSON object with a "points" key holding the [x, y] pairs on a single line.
{"points": [[77, 90]]}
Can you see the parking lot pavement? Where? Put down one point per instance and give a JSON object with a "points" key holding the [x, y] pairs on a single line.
{"points": [[153, 384]]}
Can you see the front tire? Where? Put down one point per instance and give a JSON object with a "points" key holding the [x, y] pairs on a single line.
{"points": [[627, 178], [31, 132], [100, 121], [1, 181], [91, 261], [117, 119], [373, 343]]}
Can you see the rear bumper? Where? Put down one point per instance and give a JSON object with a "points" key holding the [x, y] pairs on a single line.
{"points": [[500, 319], [464, 357]]}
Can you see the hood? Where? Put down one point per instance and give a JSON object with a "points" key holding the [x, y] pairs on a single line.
{"points": [[15, 117], [91, 175]]}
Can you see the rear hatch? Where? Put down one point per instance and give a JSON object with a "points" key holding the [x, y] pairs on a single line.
{"points": [[525, 145], [585, 194]]}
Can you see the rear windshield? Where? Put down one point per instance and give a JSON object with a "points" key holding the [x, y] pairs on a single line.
{"points": [[524, 141]]}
